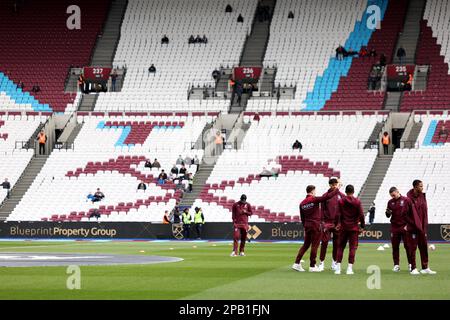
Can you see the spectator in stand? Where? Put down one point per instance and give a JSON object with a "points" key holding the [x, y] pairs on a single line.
{"points": [[340, 53], [190, 182], [290, 15], [228, 9], [148, 164], [180, 185], [373, 52], [180, 160], [256, 117], [218, 143], [443, 133], [164, 40], [240, 19], [6, 185], [266, 173], [204, 39], [174, 171], [162, 178], [297, 146], [113, 81], [199, 220], [188, 161], [191, 39], [152, 69], [95, 214], [36, 88], [216, 74], [20, 85], [142, 186], [350, 53], [401, 54], [383, 60], [363, 52], [197, 161], [42, 139], [373, 79], [90, 197], [409, 82], [198, 39], [386, 141], [156, 164], [372, 213], [183, 170], [98, 196], [80, 83]]}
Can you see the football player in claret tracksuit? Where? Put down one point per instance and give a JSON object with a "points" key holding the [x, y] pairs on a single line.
{"points": [[330, 217], [404, 226], [351, 223], [311, 219], [419, 200], [241, 211]]}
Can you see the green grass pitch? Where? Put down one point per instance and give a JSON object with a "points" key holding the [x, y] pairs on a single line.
{"points": [[208, 272]]}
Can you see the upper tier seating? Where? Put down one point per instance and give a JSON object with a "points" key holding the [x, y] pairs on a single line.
{"points": [[15, 128], [433, 50], [38, 48], [302, 47], [177, 64], [330, 148], [352, 92], [111, 157], [429, 163]]}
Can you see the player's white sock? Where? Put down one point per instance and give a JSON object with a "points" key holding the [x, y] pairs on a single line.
{"points": [[409, 267], [337, 268]]}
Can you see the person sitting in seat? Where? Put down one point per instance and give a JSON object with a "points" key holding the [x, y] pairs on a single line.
{"points": [[373, 52], [205, 39], [191, 40], [156, 164], [36, 88], [98, 196], [373, 79], [350, 53], [297, 146], [142, 186], [443, 133], [228, 9], [198, 39], [266, 173], [152, 69], [183, 170], [162, 178], [290, 15], [21, 85], [188, 160], [174, 170], [363, 52], [165, 40], [90, 197], [95, 214], [180, 160], [148, 164], [240, 19]]}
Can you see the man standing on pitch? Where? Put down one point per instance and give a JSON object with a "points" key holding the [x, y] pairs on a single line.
{"points": [[330, 217], [311, 218], [419, 201], [241, 211], [351, 221], [398, 209], [405, 224]]}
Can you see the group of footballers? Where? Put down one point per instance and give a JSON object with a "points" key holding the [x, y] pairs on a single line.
{"points": [[340, 217]]}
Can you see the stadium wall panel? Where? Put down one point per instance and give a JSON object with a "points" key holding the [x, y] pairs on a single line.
{"points": [[211, 231]]}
